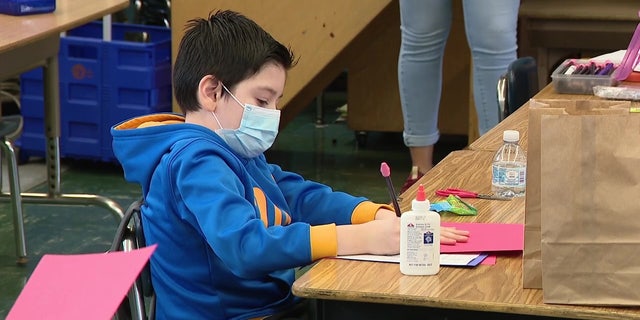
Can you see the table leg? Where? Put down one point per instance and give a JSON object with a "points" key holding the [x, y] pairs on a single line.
{"points": [[52, 124], [52, 133], [27, 58]]}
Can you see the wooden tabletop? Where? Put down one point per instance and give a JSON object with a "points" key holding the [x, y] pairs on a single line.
{"points": [[470, 170], [519, 120], [17, 31], [496, 288], [29, 41]]}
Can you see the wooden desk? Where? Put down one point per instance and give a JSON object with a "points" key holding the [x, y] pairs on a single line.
{"points": [[519, 120], [351, 289], [30, 41]]}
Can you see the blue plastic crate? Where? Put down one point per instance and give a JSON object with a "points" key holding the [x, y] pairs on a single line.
{"points": [[87, 113], [128, 103], [137, 56], [80, 118], [32, 141], [101, 83], [81, 61]]}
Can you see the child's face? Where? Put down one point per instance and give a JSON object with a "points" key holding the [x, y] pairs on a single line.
{"points": [[264, 89]]}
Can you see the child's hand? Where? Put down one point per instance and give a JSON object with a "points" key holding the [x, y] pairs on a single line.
{"points": [[383, 214], [384, 236], [451, 235], [380, 237]]}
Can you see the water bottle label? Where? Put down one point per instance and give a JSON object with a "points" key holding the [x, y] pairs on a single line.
{"points": [[509, 176]]}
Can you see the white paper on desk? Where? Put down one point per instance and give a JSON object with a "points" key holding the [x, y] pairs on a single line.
{"points": [[615, 57], [446, 259]]}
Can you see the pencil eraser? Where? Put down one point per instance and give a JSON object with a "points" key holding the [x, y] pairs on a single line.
{"points": [[385, 170]]}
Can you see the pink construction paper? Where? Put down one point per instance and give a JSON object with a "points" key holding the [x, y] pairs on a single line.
{"points": [[489, 261], [487, 237], [81, 286]]}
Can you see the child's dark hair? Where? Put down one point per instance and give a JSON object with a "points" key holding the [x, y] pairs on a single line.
{"points": [[227, 45]]}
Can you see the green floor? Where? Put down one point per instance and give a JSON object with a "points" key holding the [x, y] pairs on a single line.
{"points": [[326, 153]]}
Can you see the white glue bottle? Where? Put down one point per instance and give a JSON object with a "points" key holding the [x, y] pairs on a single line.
{"points": [[420, 238]]}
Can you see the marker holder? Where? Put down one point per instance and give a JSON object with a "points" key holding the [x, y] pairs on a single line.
{"points": [[582, 82]]}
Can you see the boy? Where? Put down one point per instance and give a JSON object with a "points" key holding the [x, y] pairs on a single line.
{"points": [[231, 227]]}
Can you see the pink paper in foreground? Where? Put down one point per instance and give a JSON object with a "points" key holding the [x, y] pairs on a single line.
{"points": [[80, 286], [487, 237]]}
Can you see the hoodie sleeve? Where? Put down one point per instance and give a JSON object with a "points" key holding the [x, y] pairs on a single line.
{"points": [[317, 204], [323, 238], [210, 188], [323, 208]]}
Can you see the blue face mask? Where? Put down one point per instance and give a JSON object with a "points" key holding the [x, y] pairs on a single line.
{"points": [[257, 132]]}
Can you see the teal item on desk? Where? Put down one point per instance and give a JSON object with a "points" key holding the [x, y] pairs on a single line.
{"points": [[440, 206], [454, 204]]}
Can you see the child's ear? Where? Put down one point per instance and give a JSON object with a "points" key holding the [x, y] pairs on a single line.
{"points": [[209, 92]]}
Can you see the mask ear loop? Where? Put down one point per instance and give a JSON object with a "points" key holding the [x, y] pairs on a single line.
{"points": [[216, 118], [232, 96]]}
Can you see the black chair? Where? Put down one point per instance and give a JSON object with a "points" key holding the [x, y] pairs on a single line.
{"points": [[140, 303], [517, 85], [10, 128]]}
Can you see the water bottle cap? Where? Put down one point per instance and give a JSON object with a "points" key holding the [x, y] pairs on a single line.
{"points": [[511, 136]]}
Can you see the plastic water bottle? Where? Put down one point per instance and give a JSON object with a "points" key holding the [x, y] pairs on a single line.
{"points": [[509, 168], [420, 238]]}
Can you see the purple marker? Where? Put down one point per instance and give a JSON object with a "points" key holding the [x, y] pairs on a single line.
{"points": [[608, 68]]}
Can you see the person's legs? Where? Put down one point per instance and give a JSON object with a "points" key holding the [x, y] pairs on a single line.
{"points": [[491, 28], [424, 29]]}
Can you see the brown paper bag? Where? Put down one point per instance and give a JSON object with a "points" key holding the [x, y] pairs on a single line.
{"points": [[532, 264], [590, 231]]}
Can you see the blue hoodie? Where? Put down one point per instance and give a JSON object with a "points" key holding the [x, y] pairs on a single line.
{"points": [[230, 230]]}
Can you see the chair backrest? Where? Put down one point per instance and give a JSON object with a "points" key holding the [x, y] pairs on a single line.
{"points": [[517, 85], [140, 302]]}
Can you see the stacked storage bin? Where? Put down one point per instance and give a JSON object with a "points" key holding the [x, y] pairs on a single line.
{"points": [[101, 83]]}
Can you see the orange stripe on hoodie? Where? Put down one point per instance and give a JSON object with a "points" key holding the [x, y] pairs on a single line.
{"points": [[261, 202]]}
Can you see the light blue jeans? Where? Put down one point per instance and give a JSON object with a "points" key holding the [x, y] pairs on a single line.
{"points": [[491, 29]]}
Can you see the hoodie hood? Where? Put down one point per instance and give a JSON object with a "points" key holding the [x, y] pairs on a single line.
{"points": [[146, 139]]}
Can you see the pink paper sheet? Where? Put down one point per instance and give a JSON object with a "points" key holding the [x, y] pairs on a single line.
{"points": [[489, 261], [487, 237], [81, 286]]}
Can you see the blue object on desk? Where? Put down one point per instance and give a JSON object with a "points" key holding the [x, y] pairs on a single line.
{"points": [[25, 7], [441, 206], [477, 260]]}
